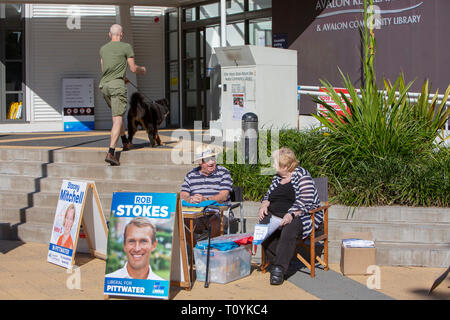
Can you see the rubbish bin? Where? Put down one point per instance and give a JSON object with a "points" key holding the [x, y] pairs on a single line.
{"points": [[250, 137]]}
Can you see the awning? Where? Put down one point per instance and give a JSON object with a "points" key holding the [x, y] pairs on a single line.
{"points": [[158, 3]]}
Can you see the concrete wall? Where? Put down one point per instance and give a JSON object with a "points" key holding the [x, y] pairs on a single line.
{"points": [[404, 236]]}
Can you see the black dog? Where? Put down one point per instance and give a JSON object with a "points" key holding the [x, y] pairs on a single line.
{"points": [[148, 115]]}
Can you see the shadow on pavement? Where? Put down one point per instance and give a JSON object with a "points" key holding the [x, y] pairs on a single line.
{"points": [[8, 245], [423, 294]]}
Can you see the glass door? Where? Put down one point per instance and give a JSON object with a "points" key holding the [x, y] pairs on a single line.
{"points": [[213, 73], [172, 67], [12, 106], [195, 82]]}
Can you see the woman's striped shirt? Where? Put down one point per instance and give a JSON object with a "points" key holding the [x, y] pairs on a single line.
{"points": [[306, 197]]}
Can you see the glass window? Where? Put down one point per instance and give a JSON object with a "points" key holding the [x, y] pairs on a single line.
{"points": [[173, 46], [212, 38], [202, 67], [259, 4], [261, 32], [12, 54], [173, 21], [191, 99], [174, 117], [13, 76], [191, 74], [190, 15], [191, 48], [173, 70], [235, 34], [13, 12], [235, 6], [13, 46], [210, 11], [202, 37]]}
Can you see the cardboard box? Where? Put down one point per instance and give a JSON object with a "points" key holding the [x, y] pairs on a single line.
{"points": [[354, 261]]}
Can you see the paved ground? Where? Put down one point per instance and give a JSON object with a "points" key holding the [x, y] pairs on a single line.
{"points": [[26, 274]]}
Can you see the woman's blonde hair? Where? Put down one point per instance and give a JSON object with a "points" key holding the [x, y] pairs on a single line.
{"points": [[285, 158]]}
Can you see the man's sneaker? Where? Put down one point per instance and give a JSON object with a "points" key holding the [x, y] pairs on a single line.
{"points": [[127, 146], [112, 160]]}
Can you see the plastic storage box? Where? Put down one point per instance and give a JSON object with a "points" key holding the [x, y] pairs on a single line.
{"points": [[224, 266]]}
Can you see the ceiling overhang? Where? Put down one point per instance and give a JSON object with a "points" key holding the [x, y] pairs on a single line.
{"points": [[156, 3]]}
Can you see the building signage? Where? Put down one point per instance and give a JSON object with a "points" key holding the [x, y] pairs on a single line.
{"points": [[327, 38], [385, 13], [78, 104], [280, 40]]}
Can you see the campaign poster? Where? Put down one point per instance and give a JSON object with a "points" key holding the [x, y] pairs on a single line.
{"points": [[238, 106], [67, 222], [139, 249]]}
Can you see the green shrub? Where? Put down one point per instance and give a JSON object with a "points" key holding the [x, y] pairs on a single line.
{"points": [[414, 181]]}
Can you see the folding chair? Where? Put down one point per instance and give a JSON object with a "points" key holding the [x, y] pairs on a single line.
{"points": [[236, 201], [309, 243]]}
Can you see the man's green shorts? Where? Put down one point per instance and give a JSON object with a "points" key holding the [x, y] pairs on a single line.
{"points": [[115, 94]]}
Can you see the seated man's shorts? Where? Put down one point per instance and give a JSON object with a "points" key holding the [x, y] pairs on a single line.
{"points": [[115, 94]]}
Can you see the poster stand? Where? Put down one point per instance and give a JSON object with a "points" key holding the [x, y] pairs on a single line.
{"points": [[91, 217], [179, 268], [94, 223], [180, 277]]}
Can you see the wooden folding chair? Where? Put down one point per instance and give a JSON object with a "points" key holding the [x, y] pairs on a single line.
{"points": [[322, 190]]}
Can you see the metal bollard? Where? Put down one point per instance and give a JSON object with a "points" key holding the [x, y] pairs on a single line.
{"points": [[250, 137]]}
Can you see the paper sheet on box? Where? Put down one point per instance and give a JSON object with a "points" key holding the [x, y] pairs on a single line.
{"points": [[262, 231], [358, 243]]}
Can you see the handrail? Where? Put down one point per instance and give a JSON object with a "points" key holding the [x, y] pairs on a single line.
{"points": [[314, 91]]}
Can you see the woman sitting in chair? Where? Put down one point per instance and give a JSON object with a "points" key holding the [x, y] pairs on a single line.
{"points": [[290, 196]]}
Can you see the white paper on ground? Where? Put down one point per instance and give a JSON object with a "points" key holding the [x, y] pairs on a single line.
{"points": [[262, 231]]}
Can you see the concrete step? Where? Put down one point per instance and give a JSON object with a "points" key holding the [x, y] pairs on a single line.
{"points": [[15, 199], [378, 214], [133, 157], [410, 244], [402, 254], [390, 214], [8, 230], [426, 233], [23, 168], [433, 228], [105, 187], [53, 184], [28, 215], [19, 182], [23, 201], [153, 173], [33, 232], [41, 206]]}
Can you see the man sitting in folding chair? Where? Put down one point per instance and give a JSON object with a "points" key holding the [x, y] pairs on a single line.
{"points": [[290, 196], [208, 181]]}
